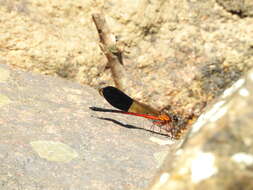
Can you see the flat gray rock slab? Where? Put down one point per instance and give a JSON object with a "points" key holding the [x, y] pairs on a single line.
{"points": [[50, 139]]}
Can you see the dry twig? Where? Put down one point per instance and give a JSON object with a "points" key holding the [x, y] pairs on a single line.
{"points": [[109, 48]]}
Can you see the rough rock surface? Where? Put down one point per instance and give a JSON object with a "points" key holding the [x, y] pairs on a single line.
{"points": [[181, 55], [169, 46], [220, 155]]}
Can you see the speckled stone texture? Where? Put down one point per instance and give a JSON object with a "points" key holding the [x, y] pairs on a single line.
{"points": [[219, 154], [178, 55]]}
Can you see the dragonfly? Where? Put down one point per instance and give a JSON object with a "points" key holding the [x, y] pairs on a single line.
{"points": [[169, 122]]}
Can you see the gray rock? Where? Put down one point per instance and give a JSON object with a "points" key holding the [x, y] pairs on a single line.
{"points": [[50, 139]]}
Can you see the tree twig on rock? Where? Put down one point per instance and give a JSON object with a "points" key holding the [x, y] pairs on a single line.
{"points": [[109, 47]]}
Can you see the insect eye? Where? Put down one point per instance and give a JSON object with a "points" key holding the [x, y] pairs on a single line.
{"points": [[175, 118]]}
